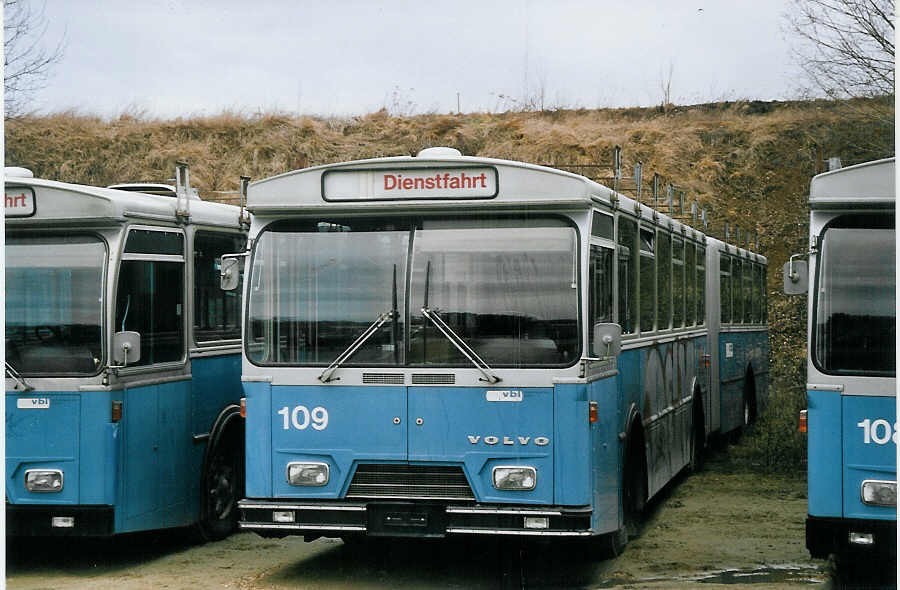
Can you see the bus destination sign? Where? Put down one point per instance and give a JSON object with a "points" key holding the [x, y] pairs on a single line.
{"points": [[19, 201], [417, 183]]}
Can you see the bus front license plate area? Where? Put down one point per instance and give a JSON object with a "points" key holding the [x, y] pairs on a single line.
{"points": [[406, 520]]}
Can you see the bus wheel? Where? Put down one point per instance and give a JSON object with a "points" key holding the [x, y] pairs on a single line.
{"points": [[611, 545], [222, 490], [634, 483], [749, 416], [698, 436]]}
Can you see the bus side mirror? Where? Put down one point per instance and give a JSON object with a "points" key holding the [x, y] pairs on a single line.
{"points": [[126, 348], [607, 340], [230, 273], [796, 276]]}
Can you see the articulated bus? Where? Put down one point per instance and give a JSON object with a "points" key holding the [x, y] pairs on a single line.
{"points": [[122, 361], [440, 345], [851, 368]]}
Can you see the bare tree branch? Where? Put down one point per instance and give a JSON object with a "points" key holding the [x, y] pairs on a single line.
{"points": [[27, 63], [846, 46]]}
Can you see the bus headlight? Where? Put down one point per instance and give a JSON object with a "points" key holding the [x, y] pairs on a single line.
{"points": [[44, 480], [307, 474], [879, 493], [510, 478]]}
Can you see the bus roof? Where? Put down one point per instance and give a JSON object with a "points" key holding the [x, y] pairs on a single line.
{"points": [[435, 178], [870, 184], [35, 201], [379, 182]]}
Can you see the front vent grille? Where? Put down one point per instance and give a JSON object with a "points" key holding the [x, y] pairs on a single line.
{"points": [[383, 378], [433, 379], [410, 482]]}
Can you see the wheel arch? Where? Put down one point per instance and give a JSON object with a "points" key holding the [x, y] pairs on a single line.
{"points": [[634, 439], [228, 423]]}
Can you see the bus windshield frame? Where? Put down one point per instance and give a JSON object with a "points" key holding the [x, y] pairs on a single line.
{"points": [[480, 275], [854, 307], [55, 304]]}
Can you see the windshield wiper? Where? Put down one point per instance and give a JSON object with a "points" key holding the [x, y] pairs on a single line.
{"points": [[12, 373], [395, 316], [461, 345], [325, 377]]}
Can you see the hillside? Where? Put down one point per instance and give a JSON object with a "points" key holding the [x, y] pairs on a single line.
{"points": [[749, 162]]}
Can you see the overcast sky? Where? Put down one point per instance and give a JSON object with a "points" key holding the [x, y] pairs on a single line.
{"points": [[170, 58]]}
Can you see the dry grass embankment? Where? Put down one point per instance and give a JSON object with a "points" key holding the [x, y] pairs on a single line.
{"points": [[749, 162]]}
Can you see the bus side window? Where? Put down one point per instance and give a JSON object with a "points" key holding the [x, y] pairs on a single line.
{"points": [[763, 304], [217, 313], [664, 280], [757, 296], [600, 291], [701, 285], [690, 279], [647, 281], [725, 288], [627, 296], [748, 291], [150, 294]]}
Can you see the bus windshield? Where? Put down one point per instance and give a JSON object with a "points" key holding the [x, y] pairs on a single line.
{"points": [[855, 303], [506, 286], [54, 304]]}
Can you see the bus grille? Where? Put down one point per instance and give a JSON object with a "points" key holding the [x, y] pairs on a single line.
{"points": [[433, 378], [410, 482], [383, 378]]}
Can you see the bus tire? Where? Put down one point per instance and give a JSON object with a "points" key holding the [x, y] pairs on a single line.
{"points": [[222, 484], [611, 545], [749, 409], [634, 482], [698, 434]]}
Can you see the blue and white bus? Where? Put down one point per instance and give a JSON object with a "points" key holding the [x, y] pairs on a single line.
{"points": [[441, 345], [851, 368], [122, 361]]}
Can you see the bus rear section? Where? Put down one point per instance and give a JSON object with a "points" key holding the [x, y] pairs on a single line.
{"points": [[852, 422]]}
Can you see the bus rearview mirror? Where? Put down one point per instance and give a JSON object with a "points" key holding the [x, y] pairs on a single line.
{"points": [[796, 277], [607, 340], [230, 274], [126, 348]]}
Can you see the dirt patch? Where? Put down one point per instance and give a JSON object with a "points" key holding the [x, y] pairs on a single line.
{"points": [[715, 528]]}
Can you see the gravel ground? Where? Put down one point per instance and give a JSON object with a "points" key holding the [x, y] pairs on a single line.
{"points": [[715, 528]]}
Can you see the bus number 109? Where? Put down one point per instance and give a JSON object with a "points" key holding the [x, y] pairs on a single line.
{"points": [[302, 417]]}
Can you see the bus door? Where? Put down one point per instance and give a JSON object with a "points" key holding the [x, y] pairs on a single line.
{"points": [[156, 402], [491, 296], [327, 310]]}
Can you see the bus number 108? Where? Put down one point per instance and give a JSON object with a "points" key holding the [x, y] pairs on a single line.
{"points": [[878, 431]]}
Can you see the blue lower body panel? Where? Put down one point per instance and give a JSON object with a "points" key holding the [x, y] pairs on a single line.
{"points": [[419, 461], [851, 445]]}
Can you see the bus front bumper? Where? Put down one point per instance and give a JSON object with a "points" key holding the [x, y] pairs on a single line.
{"points": [[833, 535], [409, 519], [59, 521]]}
